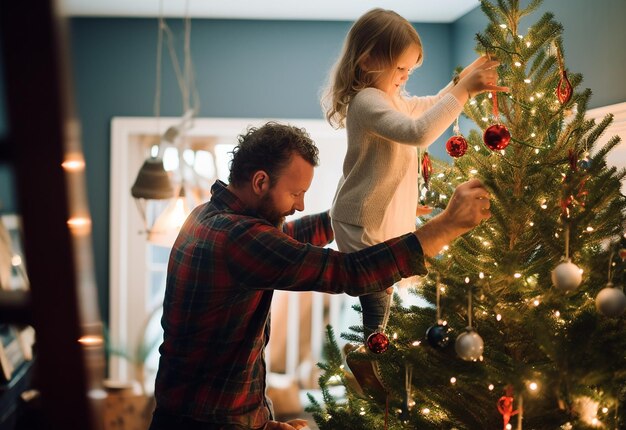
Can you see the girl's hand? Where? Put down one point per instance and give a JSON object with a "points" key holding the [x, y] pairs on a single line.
{"points": [[483, 77], [289, 425], [475, 64]]}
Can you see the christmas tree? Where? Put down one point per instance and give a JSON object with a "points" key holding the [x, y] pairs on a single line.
{"points": [[526, 325]]}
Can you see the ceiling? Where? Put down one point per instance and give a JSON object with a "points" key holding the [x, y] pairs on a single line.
{"points": [[440, 11]]}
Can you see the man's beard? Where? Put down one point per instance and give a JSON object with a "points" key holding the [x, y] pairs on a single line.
{"points": [[268, 211]]}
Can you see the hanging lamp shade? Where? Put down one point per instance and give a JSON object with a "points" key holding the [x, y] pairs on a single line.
{"points": [[152, 182]]}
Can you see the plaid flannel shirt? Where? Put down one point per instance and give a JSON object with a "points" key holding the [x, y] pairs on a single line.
{"points": [[222, 271]]}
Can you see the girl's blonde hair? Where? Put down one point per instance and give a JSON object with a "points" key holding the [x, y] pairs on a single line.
{"points": [[380, 36]]}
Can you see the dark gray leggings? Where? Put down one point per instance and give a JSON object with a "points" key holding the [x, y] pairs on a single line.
{"points": [[375, 311]]}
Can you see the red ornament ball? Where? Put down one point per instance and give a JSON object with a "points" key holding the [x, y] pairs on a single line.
{"points": [[456, 146], [497, 137], [378, 342]]}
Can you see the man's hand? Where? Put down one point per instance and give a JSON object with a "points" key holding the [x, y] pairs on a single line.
{"points": [[289, 425], [468, 206]]}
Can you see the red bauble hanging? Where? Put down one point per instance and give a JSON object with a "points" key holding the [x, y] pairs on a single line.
{"points": [[378, 342], [564, 89], [505, 406], [456, 146], [427, 168], [497, 137]]}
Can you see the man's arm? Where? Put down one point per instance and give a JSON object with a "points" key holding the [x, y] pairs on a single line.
{"points": [[313, 229], [261, 257]]}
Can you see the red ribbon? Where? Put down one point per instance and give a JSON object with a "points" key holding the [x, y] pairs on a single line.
{"points": [[505, 405]]}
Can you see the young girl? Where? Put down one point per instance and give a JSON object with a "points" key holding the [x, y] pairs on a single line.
{"points": [[377, 195]]}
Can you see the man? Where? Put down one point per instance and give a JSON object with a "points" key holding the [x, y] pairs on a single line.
{"points": [[233, 251]]}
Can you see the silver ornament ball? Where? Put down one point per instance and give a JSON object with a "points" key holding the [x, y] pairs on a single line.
{"points": [[610, 301], [469, 345], [566, 276]]}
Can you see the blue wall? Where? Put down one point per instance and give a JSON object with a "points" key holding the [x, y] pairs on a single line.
{"points": [[243, 69], [276, 69]]}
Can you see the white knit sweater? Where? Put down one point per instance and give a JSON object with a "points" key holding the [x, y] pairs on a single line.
{"points": [[382, 137]]}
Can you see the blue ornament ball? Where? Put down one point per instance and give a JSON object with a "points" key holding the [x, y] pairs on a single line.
{"points": [[438, 336], [584, 163]]}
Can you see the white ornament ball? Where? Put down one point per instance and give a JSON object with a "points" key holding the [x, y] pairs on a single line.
{"points": [[566, 276], [610, 301], [469, 345]]}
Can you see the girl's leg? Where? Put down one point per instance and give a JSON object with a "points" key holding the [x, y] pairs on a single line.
{"points": [[375, 312]]}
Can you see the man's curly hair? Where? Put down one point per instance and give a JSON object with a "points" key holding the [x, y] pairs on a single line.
{"points": [[269, 148]]}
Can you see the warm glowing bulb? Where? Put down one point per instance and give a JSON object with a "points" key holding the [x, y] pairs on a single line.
{"points": [[605, 410], [533, 386], [536, 302], [16, 260], [73, 165], [481, 275], [395, 336], [467, 279], [517, 63], [473, 171], [79, 225], [557, 314], [517, 275], [527, 80], [531, 223], [502, 25], [499, 317], [425, 411], [528, 44], [416, 343], [589, 228], [491, 387], [453, 380], [91, 340]]}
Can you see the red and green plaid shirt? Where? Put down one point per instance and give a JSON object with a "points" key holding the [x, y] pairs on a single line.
{"points": [[222, 271]]}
